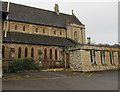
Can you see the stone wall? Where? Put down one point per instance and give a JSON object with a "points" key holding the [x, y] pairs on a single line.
{"points": [[75, 60], [79, 29], [36, 48], [31, 29], [80, 58]]}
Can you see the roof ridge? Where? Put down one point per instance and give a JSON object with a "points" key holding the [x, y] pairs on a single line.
{"points": [[36, 8], [21, 13]]}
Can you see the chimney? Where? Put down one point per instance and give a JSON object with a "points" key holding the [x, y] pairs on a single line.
{"points": [[72, 12], [88, 40], [56, 9]]}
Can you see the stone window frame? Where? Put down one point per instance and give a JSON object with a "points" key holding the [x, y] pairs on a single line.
{"points": [[32, 52], [103, 57], [54, 32], [93, 57], [60, 33], [12, 53], [50, 54], [75, 36], [112, 58], [43, 30], [16, 27], [19, 52], [26, 52], [24, 28], [45, 54], [3, 51], [39, 54], [36, 30], [56, 54]]}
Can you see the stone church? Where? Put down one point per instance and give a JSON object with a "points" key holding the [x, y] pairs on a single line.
{"points": [[52, 39]]}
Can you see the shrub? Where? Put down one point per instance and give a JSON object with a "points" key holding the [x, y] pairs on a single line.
{"points": [[36, 67], [28, 64], [16, 65], [22, 64], [6, 70]]}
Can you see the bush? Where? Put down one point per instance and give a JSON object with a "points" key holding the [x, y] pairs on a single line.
{"points": [[36, 67], [25, 64], [28, 64], [16, 65], [6, 70]]}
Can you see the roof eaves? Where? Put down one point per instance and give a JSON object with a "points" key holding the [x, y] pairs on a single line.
{"points": [[6, 41]]}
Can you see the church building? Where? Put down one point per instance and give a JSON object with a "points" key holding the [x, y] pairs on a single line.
{"points": [[52, 39]]}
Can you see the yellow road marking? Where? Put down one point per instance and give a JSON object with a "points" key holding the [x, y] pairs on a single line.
{"points": [[26, 76], [17, 76], [89, 75]]}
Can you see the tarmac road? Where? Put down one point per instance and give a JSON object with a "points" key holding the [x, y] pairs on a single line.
{"points": [[107, 80]]}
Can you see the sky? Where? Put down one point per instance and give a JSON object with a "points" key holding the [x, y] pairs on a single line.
{"points": [[99, 16]]}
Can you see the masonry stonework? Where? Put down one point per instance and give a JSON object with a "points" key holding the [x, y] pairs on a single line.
{"points": [[31, 29], [36, 48], [47, 30], [80, 33], [80, 59]]}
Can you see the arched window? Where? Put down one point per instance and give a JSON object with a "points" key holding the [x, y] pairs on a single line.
{"points": [[45, 54], [50, 53], [75, 36], [32, 53], [23, 28], [26, 52], [15, 27], [19, 52], [3, 52], [56, 55]]}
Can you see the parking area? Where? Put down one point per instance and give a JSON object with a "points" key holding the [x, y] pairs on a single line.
{"points": [[107, 80], [47, 75]]}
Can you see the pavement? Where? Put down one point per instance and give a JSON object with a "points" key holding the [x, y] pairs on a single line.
{"points": [[61, 80]]}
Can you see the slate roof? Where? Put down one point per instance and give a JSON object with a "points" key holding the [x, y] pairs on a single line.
{"points": [[34, 39], [34, 15], [4, 14]]}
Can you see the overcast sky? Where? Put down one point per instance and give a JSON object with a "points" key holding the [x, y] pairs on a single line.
{"points": [[99, 16]]}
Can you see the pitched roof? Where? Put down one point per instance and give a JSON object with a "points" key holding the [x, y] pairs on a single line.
{"points": [[33, 15], [16, 37]]}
